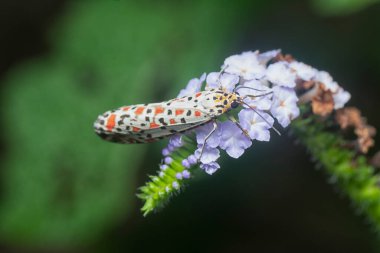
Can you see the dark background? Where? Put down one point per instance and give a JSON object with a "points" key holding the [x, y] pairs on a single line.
{"points": [[64, 62]]}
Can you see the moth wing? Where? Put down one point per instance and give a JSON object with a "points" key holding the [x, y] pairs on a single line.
{"points": [[150, 122]]}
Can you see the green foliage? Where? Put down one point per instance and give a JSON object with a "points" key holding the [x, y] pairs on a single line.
{"points": [[351, 173], [341, 7], [62, 185], [160, 188]]}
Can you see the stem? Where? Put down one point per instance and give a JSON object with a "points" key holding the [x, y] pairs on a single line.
{"points": [[352, 173]]}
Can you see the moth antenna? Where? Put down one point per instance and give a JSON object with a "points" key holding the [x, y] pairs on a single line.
{"points": [[246, 87], [261, 116], [256, 96]]}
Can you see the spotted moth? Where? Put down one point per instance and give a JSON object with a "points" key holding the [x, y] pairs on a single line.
{"points": [[145, 123]]}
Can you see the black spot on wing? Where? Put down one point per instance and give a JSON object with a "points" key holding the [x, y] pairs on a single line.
{"points": [[162, 121]]}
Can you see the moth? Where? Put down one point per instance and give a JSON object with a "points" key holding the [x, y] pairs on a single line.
{"points": [[145, 123]]}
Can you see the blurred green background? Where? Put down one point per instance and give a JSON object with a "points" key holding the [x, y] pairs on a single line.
{"points": [[64, 62]]}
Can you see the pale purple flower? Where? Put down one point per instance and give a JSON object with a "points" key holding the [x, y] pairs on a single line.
{"points": [[193, 86], [192, 159], [279, 73], [165, 152], [203, 131], [265, 57], [210, 168], [186, 163], [178, 175], [284, 107], [175, 185], [341, 98], [233, 141], [164, 167], [186, 174], [161, 174], [168, 160], [304, 71], [176, 141], [246, 65], [225, 81], [263, 100], [327, 80], [209, 154], [256, 123], [170, 148]]}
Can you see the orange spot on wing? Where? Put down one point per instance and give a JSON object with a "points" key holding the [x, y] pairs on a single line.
{"points": [[179, 112], [197, 113], [135, 129], [111, 122], [126, 108], [139, 110], [198, 94], [158, 110], [154, 125], [172, 121]]}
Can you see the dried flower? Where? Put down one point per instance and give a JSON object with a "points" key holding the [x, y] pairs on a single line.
{"points": [[323, 102]]}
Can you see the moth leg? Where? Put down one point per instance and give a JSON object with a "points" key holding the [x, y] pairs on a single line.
{"points": [[245, 132], [215, 126]]}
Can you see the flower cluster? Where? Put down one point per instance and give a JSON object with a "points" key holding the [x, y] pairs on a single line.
{"points": [[270, 85], [270, 88]]}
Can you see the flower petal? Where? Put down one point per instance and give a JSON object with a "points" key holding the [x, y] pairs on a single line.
{"points": [[233, 141]]}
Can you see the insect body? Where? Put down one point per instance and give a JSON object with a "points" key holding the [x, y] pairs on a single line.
{"points": [[145, 123]]}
